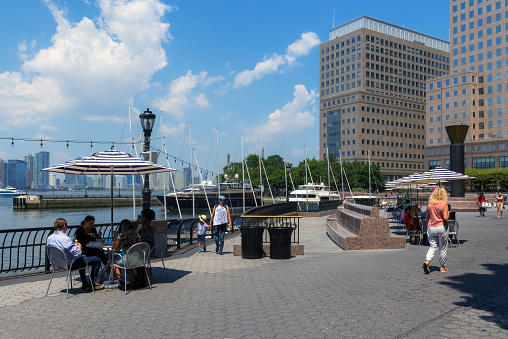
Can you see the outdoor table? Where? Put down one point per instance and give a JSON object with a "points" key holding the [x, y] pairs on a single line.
{"points": [[108, 247]]}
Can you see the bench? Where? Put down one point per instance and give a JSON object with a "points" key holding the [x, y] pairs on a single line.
{"points": [[359, 227]]}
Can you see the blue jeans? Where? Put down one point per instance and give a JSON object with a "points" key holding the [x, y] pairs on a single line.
{"points": [[219, 235], [93, 261]]}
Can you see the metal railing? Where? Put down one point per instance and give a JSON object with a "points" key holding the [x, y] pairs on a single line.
{"points": [[269, 221]]}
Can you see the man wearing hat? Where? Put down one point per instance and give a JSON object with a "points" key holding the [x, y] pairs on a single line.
{"points": [[220, 221], [201, 232]]}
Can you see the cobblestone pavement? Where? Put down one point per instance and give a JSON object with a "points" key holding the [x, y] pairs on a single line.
{"points": [[327, 293]]}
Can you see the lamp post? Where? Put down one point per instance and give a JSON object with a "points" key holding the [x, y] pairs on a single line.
{"points": [[147, 122], [288, 168]]}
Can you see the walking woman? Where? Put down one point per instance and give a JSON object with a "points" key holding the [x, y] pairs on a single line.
{"points": [[480, 200], [437, 214], [499, 205]]}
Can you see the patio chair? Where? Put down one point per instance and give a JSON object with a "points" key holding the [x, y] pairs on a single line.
{"points": [[138, 255], [159, 250], [58, 261], [453, 231]]}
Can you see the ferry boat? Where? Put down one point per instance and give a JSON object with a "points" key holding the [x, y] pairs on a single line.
{"points": [[207, 193], [10, 192], [313, 193]]}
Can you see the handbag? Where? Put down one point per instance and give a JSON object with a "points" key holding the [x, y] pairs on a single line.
{"points": [[486, 205]]}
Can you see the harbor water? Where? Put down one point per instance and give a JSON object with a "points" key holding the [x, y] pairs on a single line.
{"points": [[11, 219]]}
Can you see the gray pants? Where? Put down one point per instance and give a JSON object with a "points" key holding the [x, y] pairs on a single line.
{"points": [[437, 236]]}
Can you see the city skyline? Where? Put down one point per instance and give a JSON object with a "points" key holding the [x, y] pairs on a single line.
{"points": [[70, 70]]}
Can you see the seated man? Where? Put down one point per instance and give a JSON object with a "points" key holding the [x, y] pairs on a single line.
{"points": [[147, 232], [73, 251]]}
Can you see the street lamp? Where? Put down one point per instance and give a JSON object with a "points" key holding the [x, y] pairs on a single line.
{"points": [[147, 122], [288, 168]]}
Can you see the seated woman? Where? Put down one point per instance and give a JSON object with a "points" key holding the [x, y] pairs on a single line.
{"points": [[87, 233], [147, 232], [124, 241], [412, 224]]}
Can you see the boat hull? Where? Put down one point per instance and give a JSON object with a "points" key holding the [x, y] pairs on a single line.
{"points": [[200, 202]]}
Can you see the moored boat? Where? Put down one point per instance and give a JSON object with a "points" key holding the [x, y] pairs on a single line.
{"points": [[10, 192]]}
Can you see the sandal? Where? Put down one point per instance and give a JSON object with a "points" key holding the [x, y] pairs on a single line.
{"points": [[443, 269], [426, 268]]}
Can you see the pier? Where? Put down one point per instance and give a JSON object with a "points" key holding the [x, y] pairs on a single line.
{"points": [[36, 202]]}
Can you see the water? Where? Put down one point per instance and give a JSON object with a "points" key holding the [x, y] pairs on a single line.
{"points": [[11, 219]]}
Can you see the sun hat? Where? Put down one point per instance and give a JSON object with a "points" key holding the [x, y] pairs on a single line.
{"points": [[202, 218], [222, 197]]}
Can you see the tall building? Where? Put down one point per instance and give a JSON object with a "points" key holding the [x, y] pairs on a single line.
{"points": [[16, 174], [40, 178], [29, 159], [476, 90], [2, 172], [372, 97]]}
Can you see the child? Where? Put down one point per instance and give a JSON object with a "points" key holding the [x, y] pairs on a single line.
{"points": [[201, 232]]}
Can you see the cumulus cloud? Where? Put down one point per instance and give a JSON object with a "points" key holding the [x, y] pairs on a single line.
{"points": [[293, 117], [89, 66], [168, 129], [179, 96], [300, 152], [275, 63]]}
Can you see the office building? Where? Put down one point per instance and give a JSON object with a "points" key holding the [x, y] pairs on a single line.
{"points": [[2, 172], [40, 179], [475, 92], [29, 159], [16, 174], [373, 95]]}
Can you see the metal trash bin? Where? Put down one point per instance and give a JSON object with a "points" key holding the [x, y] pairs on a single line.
{"points": [[252, 242], [280, 242]]}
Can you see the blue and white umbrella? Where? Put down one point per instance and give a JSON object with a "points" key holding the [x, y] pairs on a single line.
{"points": [[437, 174], [109, 162]]}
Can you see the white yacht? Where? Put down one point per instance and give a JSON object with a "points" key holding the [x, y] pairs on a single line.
{"points": [[313, 193], [10, 192]]}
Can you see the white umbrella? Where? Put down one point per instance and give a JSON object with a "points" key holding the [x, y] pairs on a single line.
{"points": [[109, 162], [437, 174]]}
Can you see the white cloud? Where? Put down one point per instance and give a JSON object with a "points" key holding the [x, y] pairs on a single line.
{"points": [[168, 129], [101, 118], [179, 94], [88, 67], [293, 117], [45, 127], [300, 152], [273, 64]]}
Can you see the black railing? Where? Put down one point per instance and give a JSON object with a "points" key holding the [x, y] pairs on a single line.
{"points": [[275, 209]]}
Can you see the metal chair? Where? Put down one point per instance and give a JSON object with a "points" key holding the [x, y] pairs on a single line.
{"points": [[453, 231], [159, 250], [424, 225], [58, 261], [138, 255]]}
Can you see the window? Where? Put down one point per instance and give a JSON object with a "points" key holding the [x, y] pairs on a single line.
{"points": [[483, 163], [503, 161], [434, 163]]}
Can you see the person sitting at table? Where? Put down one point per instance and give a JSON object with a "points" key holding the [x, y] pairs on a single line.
{"points": [[412, 224], [147, 232], [87, 233], [127, 237], [73, 251]]}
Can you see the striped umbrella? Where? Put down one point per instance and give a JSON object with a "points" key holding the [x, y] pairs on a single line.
{"points": [[109, 162], [437, 174]]}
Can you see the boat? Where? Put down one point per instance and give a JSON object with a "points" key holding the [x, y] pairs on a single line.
{"points": [[233, 193], [10, 192], [313, 193]]}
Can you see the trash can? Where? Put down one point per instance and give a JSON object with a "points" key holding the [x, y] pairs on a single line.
{"points": [[280, 242], [252, 242]]}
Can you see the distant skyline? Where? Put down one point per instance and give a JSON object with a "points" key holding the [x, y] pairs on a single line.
{"points": [[70, 69]]}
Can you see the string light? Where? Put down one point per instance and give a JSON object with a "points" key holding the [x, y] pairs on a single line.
{"points": [[41, 143], [67, 144], [12, 142]]}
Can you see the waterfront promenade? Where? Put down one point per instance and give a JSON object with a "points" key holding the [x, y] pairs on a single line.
{"points": [[327, 293]]}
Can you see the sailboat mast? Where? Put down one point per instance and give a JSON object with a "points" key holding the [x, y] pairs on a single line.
{"points": [[192, 172], [243, 177], [306, 187], [260, 176], [218, 164], [285, 167], [133, 189], [341, 174], [368, 153], [328, 162], [164, 177]]}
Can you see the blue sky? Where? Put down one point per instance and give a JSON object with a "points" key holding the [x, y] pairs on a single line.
{"points": [[69, 69]]}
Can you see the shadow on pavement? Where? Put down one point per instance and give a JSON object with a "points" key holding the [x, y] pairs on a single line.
{"points": [[486, 292]]}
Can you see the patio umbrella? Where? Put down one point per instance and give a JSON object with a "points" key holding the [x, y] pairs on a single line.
{"points": [[109, 162], [437, 174]]}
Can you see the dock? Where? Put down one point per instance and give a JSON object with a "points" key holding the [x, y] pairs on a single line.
{"points": [[37, 202]]}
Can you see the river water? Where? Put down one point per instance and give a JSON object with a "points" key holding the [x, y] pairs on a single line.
{"points": [[11, 219]]}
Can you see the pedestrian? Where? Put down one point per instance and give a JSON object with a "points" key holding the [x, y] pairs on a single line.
{"points": [[437, 214], [480, 200], [499, 204], [221, 219], [201, 233]]}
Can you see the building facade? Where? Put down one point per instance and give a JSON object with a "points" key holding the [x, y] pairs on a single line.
{"points": [[373, 94], [476, 90], [16, 174], [40, 179]]}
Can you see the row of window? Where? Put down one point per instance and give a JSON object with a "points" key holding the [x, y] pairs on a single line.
{"points": [[378, 100], [405, 48], [397, 80], [393, 155], [342, 44], [482, 148], [390, 61], [340, 62], [478, 163], [392, 88], [479, 2], [408, 57], [489, 66], [479, 11]]}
